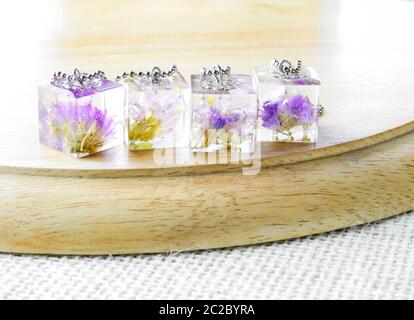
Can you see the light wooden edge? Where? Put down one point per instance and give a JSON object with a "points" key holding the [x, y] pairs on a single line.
{"points": [[266, 162], [50, 215]]}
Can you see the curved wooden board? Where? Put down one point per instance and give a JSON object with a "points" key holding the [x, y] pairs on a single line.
{"points": [[361, 169], [163, 214]]}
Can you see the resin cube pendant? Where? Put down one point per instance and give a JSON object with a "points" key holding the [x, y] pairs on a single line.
{"points": [[288, 98], [224, 111], [158, 109], [81, 114]]}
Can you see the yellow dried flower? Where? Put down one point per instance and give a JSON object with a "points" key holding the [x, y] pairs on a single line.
{"points": [[145, 129], [211, 101]]}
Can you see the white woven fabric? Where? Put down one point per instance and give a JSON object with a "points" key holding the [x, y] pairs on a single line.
{"points": [[370, 262]]}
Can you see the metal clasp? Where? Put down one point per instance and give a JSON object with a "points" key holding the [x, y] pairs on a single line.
{"points": [[285, 69], [217, 78]]}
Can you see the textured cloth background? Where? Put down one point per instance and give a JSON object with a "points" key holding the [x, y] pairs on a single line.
{"points": [[372, 261]]}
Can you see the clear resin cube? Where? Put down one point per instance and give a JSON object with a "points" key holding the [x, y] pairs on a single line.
{"points": [[288, 100], [81, 114], [158, 109], [224, 111]]}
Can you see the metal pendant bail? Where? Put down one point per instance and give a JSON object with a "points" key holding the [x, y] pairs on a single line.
{"points": [[217, 78], [156, 76], [78, 80], [285, 69]]}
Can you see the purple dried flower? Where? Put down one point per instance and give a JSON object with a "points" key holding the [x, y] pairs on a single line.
{"points": [[215, 119], [232, 118], [83, 128], [218, 120], [270, 114], [300, 108]]}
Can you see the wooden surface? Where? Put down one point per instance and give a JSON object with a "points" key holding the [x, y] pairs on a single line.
{"points": [[367, 83], [366, 88], [167, 214]]}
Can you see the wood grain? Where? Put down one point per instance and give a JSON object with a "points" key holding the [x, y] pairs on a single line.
{"points": [[168, 214], [360, 170]]}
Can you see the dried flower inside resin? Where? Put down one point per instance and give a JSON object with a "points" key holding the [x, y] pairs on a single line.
{"points": [[288, 98], [224, 111], [218, 120], [78, 128], [81, 114], [284, 115], [158, 109], [144, 129]]}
